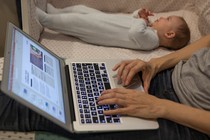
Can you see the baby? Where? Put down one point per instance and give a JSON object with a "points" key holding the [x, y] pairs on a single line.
{"points": [[117, 30]]}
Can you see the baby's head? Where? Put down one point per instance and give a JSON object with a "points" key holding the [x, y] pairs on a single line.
{"points": [[173, 32]]}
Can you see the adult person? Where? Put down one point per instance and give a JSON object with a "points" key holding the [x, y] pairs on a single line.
{"points": [[188, 82]]}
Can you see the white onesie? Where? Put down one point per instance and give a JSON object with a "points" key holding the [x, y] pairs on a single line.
{"points": [[96, 27]]}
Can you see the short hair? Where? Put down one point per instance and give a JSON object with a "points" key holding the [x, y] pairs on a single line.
{"points": [[182, 36]]}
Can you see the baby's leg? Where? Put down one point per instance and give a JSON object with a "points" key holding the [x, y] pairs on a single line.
{"points": [[95, 28], [82, 9], [74, 24]]}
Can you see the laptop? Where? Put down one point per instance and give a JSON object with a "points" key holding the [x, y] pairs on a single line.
{"points": [[63, 90]]}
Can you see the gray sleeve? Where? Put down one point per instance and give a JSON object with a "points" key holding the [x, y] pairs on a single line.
{"points": [[143, 36]]}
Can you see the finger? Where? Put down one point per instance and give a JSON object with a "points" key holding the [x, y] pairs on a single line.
{"points": [[115, 92], [143, 9], [125, 74], [119, 64], [107, 91], [111, 94], [147, 11], [121, 68], [129, 71], [112, 90], [146, 82], [135, 69], [120, 72], [122, 91], [146, 86], [118, 111], [109, 101], [150, 13], [116, 66]]}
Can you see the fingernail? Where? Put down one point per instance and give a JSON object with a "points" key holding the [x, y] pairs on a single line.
{"points": [[126, 82], [98, 102]]}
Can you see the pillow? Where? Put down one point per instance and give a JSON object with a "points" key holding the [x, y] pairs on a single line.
{"points": [[204, 16]]}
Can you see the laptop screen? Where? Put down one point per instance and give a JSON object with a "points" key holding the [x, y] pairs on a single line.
{"points": [[35, 76]]}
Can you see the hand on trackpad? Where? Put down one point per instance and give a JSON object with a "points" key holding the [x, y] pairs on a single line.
{"points": [[136, 83]]}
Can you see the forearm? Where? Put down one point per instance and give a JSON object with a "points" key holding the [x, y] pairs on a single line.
{"points": [[194, 118], [172, 59]]}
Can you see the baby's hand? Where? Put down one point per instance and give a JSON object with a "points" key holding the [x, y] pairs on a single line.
{"points": [[145, 13]]}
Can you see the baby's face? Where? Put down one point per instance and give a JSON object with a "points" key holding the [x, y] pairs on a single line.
{"points": [[166, 24]]}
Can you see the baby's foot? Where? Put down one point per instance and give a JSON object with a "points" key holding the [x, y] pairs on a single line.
{"points": [[51, 9], [41, 15]]}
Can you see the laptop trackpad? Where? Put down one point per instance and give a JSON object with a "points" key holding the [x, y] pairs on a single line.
{"points": [[136, 83]]}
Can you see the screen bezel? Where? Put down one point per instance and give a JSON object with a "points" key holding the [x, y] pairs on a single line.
{"points": [[4, 84]]}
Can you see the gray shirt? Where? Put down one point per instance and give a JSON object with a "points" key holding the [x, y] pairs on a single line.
{"points": [[191, 80]]}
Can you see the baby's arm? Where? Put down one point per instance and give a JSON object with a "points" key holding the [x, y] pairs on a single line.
{"points": [[143, 36]]}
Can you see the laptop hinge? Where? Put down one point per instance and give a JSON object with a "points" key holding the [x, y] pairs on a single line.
{"points": [[70, 96]]}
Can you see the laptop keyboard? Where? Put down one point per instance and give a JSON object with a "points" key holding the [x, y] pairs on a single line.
{"points": [[90, 80]]}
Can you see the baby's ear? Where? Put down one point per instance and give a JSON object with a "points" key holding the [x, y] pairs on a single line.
{"points": [[170, 34]]}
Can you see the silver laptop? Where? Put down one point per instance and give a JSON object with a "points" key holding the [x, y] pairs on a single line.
{"points": [[63, 91]]}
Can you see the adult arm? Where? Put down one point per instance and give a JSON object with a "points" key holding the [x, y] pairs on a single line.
{"points": [[188, 116], [127, 69], [170, 60], [139, 104]]}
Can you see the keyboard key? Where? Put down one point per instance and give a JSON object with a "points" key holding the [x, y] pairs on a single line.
{"points": [[96, 66], [94, 113], [107, 86], [88, 121], [116, 120], [108, 119], [82, 121], [87, 116], [102, 119], [95, 119]]}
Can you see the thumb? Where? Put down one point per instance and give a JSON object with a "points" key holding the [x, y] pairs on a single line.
{"points": [[146, 82], [146, 85]]}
